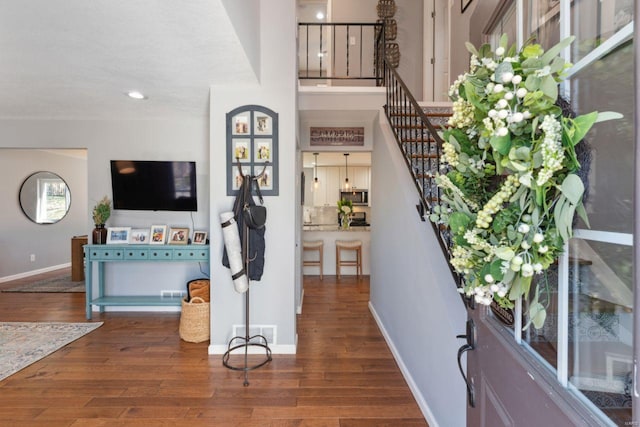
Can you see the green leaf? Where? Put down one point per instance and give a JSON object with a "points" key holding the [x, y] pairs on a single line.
{"points": [[581, 126], [532, 51], [582, 213], [458, 222], [504, 39], [537, 316], [502, 144], [557, 65], [496, 271], [549, 87], [555, 50], [504, 67], [608, 115], [505, 253], [573, 188], [558, 215], [472, 49], [540, 317], [532, 83], [516, 289]]}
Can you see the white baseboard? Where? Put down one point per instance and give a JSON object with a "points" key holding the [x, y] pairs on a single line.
{"points": [[426, 411], [34, 272], [275, 349]]}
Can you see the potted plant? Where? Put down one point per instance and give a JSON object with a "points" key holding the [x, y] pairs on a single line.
{"points": [[345, 209], [101, 213]]}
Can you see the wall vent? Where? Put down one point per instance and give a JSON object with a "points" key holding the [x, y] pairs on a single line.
{"points": [[267, 331]]}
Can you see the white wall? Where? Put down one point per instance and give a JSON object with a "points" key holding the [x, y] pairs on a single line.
{"points": [[167, 139], [413, 295], [272, 298], [20, 237]]}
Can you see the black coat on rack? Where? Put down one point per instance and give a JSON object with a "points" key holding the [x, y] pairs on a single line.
{"points": [[256, 236]]}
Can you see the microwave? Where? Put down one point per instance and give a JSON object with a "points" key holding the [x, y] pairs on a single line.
{"points": [[357, 196]]}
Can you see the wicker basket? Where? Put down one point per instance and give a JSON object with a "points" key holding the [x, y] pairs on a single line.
{"points": [[386, 8], [390, 29], [194, 320], [393, 54]]}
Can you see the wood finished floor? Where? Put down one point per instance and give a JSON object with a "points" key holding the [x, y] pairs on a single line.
{"points": [[135, 370]]}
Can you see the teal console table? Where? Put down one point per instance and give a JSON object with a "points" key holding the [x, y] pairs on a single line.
{"points": [[101, 254]]}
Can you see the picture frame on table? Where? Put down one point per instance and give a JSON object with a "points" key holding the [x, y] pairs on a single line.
{"points": [[199, 238], [118, 235], [178, 236], [139, 236], [158, 234]]}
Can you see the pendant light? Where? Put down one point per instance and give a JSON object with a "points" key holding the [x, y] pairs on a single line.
{"points": [[315, 171], [346, 172]]}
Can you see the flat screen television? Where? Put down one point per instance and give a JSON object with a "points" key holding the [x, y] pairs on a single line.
{"points": [[154, 185]]}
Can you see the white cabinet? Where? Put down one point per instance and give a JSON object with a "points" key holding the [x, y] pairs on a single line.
{"points": [[329, 186], [331, 181], [358, 177]]}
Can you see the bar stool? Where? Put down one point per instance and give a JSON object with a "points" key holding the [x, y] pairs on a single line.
{"points": [[313, 245], [349, 245]]}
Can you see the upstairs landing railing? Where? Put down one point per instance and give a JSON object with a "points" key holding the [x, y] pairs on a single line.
{"points": [[341, 51]]}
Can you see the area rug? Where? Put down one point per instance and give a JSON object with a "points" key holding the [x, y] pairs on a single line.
{"points": [[24, 343], [55, 284]]}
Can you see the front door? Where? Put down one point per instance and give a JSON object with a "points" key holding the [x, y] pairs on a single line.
{"points": [[579, 368]]}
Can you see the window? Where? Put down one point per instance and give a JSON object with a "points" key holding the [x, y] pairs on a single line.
{"points": [[588, 337]]}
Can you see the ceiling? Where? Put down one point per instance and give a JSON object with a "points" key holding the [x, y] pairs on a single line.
{"points": [[78, 58]]}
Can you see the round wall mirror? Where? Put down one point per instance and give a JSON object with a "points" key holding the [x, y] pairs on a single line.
{"points": [[45, 198]]}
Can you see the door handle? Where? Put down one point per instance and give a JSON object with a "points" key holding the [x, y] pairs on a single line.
{"points": [[470, 336]]}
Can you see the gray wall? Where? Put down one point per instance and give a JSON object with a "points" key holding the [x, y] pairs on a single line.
{"points": [[20, 237], [467, 27], [409, 18], [273, 299], [413, 293], [167, 139]]}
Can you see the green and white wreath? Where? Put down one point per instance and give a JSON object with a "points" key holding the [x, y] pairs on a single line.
{"points": [[509, 180]]}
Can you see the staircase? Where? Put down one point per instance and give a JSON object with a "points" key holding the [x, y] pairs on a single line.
{"points": [[416, 131]]}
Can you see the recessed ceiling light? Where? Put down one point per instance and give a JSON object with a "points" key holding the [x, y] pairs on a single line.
{"points": [[136, 95], [320, 15]]}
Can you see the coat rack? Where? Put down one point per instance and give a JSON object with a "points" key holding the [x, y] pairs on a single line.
{"points": [[247, 341]]}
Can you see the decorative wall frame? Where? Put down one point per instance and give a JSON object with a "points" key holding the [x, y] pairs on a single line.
{"points": [[336, 136], [252, 142]]}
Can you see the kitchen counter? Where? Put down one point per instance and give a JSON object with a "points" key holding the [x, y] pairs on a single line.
{"points": [[336, 227], [329, 234]]}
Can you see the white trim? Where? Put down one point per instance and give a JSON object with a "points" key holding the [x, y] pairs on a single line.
{"points": [[563, 317], [517, 321], [299, 307], [607, 46], [625, 239], [275, 349], [34, 272], [422, 403], [565, 31], [519, 23]]}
